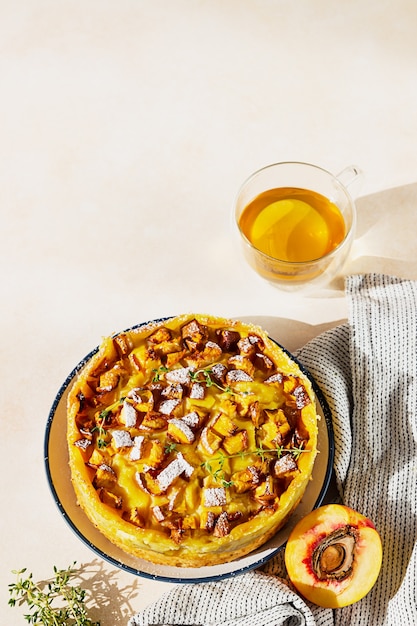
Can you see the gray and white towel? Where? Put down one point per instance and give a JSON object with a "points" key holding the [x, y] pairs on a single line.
{"points": [[367, 369]]}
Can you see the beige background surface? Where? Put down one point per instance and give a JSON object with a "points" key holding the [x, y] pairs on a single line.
{"points": [[126, 129]]}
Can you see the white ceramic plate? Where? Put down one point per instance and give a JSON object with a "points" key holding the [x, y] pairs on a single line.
{"points": [[58, 474]]}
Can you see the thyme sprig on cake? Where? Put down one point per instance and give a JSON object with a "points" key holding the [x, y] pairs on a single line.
{"points": [[219, 475], [208, 379], [103, 439], [204, 375]]}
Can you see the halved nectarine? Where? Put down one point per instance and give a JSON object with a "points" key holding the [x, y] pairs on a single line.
{"points": [[333, 556]]}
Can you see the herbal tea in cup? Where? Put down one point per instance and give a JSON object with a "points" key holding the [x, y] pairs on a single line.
{"points": [[297, 223]]}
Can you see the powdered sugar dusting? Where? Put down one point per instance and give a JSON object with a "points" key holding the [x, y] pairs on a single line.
{"points": [[128, 414], [184, 428], [140, 482], [134, 395], [214, 496], [167, 406], [191, 419], [122, 439], [197, 391], [180, 375], [188, 469], [275, 378], [83, 444], [136, 451], [172, 471], [205, 441], [236, 376], [157, 511]]}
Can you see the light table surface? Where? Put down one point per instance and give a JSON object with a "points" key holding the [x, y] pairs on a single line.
{"points": [[126, 129]]}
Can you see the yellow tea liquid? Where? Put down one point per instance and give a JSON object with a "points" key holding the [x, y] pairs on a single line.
{"points": [[293, 224]]}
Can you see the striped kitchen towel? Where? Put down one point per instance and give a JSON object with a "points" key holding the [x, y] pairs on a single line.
{"points": [[367, 369]]}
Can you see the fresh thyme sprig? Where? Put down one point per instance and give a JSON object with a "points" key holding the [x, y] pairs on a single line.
{"points": [[296, 452], [170, 447], [52, 603], [207, 373], [102, 441], [203, 375], [158, 371], [218, 474]]}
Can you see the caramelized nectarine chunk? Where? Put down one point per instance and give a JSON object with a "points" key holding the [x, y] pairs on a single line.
{"points": [[122, 344], [246, 479], [109, 498], [179, 431], [194, 334], [209, 441], [104, 477], [236, 443], [266, 491], [227, 339], [224, 425], [109, 380], [160, 335]]}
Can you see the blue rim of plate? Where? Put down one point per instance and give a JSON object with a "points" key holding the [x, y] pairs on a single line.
{"points": [[168, 579]]}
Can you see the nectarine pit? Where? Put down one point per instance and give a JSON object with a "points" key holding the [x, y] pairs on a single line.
{"points": [[333, 556]]}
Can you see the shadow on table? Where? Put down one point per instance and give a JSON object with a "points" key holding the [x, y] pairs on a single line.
{"points": [[107, 602], [384, 242]]}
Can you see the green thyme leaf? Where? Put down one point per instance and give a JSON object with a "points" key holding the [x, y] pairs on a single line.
{"points": [[52, 603], [207, 379], [158, 371]]}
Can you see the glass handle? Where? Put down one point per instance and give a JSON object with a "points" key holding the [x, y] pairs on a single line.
{"points": [[352, 178]]}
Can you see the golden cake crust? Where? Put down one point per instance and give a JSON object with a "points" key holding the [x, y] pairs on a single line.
{"points": [[191, 440]]}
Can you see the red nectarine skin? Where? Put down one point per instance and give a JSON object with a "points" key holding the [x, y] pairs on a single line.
{"points": [[333, 556]]}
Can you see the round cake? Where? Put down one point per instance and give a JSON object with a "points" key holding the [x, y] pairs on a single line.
{"points": [[191, 439]]}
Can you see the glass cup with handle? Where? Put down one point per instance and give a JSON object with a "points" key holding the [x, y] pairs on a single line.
{"points": [[297, 222]]}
